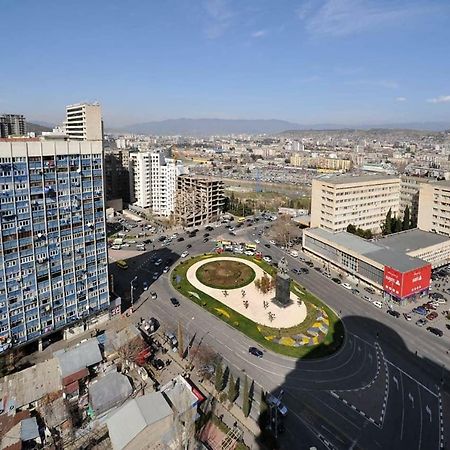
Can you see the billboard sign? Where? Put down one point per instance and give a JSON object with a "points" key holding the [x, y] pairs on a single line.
{"points": [[405, 284]]}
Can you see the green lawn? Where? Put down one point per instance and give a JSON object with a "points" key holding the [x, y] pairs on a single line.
{"points": [[225, 274], [329, 345]]}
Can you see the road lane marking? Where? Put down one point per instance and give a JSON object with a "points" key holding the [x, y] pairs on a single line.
{"points": [[410, 396], [395, 381], [403, 407], [428, 410], [421, 420]]}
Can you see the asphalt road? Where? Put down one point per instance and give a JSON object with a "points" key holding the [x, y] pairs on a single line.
{"points": [[376, 392]]}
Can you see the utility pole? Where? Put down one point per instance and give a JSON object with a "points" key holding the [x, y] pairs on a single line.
{"points": [[131, 289]]}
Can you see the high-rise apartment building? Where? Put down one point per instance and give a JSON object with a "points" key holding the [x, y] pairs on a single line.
{"points": [[117, 175], [434, 210], [53, 249], [337, 202], [153, 181], [84, 122], [409, 195], [199, 201], [12, 125]]}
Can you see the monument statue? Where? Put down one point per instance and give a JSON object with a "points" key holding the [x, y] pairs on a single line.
{"points": [[282, 284]]}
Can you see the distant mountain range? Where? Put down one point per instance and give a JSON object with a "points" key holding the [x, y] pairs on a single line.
{"points": [[208, 127], [38, 128]]}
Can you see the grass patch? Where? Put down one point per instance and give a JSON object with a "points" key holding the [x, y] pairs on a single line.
{"points": [[329, 345], [225, 274]]}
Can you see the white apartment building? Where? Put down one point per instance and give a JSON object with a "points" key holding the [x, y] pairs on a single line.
{"points": [[153, 181], [409, 195], [84, 122], [337, 202], [434, 210]]}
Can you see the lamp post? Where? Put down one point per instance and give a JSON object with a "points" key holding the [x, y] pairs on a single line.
{"points": [[132, 288], [189, 340]]}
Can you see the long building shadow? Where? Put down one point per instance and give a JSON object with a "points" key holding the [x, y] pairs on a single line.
{"points": [[374, 393]]}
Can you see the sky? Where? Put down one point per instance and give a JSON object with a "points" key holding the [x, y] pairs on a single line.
{"points": [[307, 61]]}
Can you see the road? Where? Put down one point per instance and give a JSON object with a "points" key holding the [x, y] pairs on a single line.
{"points": [[376, 392]]}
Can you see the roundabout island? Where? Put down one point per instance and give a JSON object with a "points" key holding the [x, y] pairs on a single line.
{"points": [[242, 291]]}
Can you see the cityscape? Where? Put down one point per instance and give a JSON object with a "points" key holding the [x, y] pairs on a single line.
{"points": [[241, 241]]}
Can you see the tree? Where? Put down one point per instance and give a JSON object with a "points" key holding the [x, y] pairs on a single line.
{"points": [[284, 230], [218, 381], [397, 227], [246, 398], [351, 228], [232, 393], [265, 284], [406, 225], [387, 228]]}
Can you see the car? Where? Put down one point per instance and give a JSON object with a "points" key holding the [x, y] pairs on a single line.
{"points": [[206, 235], [420, 310], [205, 240], [276, 401], [441, 301], [155, 275], [125, 244], [435, 331], [188, 246], [116, 247], [421, 322], [249, 253], [267, 259], [158, 262], [304, 270], [318, 269], [272, 242], [393, 313], [366, 298], [171, 338], [147, 241], [369, 290], [157, 363], [430, 305], [407, 316], [140, 247], [267, 245], [166, 269], [256, 352], [309, 263], [355, 291], [257, 241], [432, 315], [180, 239], [145, 285], [153, 295], [175, 302], [336, 280], [132, 242], [378, 304], [436, 295], [184, 254], [346, 286], [297, 271], [209, 228]]}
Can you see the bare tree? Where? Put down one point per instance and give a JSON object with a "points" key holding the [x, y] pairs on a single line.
{"points": [[284, 230]]}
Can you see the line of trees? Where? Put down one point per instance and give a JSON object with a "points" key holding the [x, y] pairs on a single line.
{"points": [[235, 206], [366, 234], [394, 224]]}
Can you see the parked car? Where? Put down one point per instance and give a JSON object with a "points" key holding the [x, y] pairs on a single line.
{"points": [[433, 315], [378, 304], [174, 301], [421, 322], [188, 246], [153, 295], [435, 331], [184, 254], [171, 338], [355, 291], [420, 310], [304, 270], [407, 316], [145, 285], [267, 245], [336, 280], [393, 313], [158, 262], [166, 269], [267, 259], [275, 401], [180, 239], [157, 363], [256, 352], [346, 286], [297, 271], [309, 263], [367, 298], [369, 290]]}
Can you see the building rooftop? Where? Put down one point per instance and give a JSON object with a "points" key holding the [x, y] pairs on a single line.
{"points": [[109, 391], [28, 385], [396, 260], [79, 357], [411, 240], [347, 179], [128, 421]]}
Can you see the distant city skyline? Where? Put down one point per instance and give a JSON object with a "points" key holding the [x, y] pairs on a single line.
{"points": [[348, 62]]}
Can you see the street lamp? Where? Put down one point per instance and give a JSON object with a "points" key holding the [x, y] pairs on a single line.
{"points": [[189, 340], [132, 288]]}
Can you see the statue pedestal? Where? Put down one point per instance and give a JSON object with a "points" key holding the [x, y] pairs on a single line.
{"points": [[282, 290]]}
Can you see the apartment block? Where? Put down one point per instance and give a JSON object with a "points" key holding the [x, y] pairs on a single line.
{"points": [[434, 210], [362, 201], [153, 181], [199, 201], [409, 195], [84, 122], [53, 248], [117, 175], [12, 125], [321, 162]]}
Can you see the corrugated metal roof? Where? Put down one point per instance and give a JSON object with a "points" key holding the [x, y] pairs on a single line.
{"points": [[29, 429], [109, 391]]}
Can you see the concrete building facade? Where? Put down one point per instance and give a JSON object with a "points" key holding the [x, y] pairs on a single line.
{"points": [[337, 202], [200, 200], [321, 162], [409, 196], [12, 125], [434, 210], [117, 175], [53, 248], [153, 182], [84, 122]]}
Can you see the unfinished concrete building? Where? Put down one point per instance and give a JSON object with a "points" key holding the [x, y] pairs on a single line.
{"points": [[200, 200]]}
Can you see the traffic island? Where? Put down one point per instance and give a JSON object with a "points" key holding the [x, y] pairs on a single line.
{"points": [[306, 328]]}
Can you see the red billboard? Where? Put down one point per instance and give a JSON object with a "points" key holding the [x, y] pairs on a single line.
{"points": [[404, 284]]}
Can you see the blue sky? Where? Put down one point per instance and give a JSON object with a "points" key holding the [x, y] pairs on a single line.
{"points": [[314, 61]]}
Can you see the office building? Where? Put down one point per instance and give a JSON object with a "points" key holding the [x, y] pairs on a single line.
{"points": [[84, 122], [434, 207], [199, 200], [12, 125], [53, 249], [153, 182], [339, 201], [398, 265]]}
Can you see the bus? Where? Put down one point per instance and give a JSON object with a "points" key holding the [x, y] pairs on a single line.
{"points": [[250, 246], [241, 220], [122, 264]]}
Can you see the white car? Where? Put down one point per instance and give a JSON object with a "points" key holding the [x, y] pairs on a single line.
{"points": [[248, 253], [346, 286], [378, 304], [272, 242], [367, 298], [116, 247], [184, 254], [267, 259], [131, 242], [257, 241]]}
